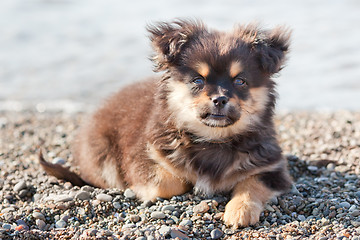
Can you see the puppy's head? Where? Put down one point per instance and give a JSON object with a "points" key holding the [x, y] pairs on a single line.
{"points": [[218, 84]]}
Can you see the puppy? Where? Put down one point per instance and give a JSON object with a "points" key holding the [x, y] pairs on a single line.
{"points": [[206, 123]]}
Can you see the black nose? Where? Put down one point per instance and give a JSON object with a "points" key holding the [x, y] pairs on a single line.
{"points": [[220, 101]]}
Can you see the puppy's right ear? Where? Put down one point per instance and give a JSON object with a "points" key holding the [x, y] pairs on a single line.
{"points": [[169, 39]]}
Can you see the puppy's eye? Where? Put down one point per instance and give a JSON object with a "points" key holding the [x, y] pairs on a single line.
{"points": [[198, 81], [239, 82]]}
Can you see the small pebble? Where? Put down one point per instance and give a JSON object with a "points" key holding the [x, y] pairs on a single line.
{"points": [[36, 197], [332, 214], [8, 209], [20, 228], [218, 215], [38, 215], [40, 224], [207, 217], [83, 195], [342, 168], [269, 208], [6, 226], [168, 208], [330, 166], [147, 203], [345, 205], [60, 224], [134, 218], [301, 217], [216, 233], [68, 185], [313, 168], [352, 208], [87, 188], [22, 223], [65, 217], [104, 197], [357, 194], [129, 226], [355, 213], [165, 230], [107, 233], [294, 190], [92, 232], [202, 207], [58, 160], [117, 205], [274, 201], [158, 215], [186, 222], [63, 198], [23, 193], [142, 238], [297, 201], [178, 234], [266, 223], [20, 186], [355, 223], [129, 194]]}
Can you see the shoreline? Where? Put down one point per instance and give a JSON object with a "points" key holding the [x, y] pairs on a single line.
{"points": [[74, 107], [323, 151]]}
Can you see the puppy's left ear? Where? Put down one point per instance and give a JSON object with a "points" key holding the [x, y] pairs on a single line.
{"points": [[271, 48], [169, 39]]}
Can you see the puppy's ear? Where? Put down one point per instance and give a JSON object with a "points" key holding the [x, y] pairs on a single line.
{"points": [[271, 48], [169, 39]]}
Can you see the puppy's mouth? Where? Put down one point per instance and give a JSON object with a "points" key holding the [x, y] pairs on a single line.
{"points": [[216, 120], [216, 116]]}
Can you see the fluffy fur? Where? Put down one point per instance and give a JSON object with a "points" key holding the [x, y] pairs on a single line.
{"points": [[206, 123]]}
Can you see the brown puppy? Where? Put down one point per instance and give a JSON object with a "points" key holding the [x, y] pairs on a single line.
{"points": [[207, 123]]}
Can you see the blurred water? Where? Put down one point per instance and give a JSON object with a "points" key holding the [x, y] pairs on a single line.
{"points": [[72, 54]]}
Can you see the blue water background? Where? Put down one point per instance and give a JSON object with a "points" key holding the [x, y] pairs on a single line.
{"points": [[70, 55]]}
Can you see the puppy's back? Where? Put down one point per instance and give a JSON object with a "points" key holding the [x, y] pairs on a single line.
{"points": [[112, 132]]}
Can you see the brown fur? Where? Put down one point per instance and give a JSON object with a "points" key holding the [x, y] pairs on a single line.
{"points": [[206, 123]]}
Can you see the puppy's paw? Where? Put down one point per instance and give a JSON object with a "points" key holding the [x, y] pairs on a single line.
{"points": [[242, 213]]}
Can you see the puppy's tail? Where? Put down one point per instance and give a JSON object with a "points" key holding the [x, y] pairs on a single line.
{"points": [[60, 172]]}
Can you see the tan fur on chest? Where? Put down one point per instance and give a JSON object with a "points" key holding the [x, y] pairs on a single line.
{"points": [[202, 183]]}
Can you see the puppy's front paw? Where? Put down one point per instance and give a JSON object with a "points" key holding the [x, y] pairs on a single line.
{"points": [[242, 213]]}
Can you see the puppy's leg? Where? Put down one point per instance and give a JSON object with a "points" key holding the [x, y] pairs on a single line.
{"points": [[247, 202], [164, 185]]}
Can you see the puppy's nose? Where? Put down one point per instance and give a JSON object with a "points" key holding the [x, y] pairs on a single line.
{"points": [[220, 101]]}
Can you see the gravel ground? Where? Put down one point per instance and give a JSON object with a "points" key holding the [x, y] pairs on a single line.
{"points": [[323, 150]]}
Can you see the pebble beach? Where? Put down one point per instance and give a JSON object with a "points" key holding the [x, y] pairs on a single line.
{"points": [[322, 148]]}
